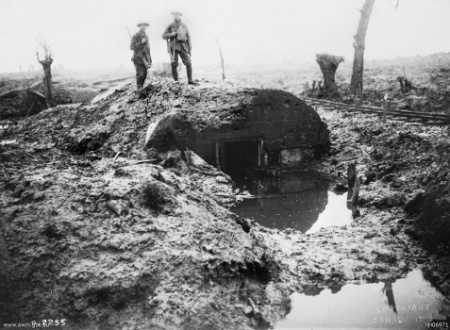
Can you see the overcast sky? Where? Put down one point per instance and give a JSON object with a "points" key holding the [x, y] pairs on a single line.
{"points": [[90, 34]]}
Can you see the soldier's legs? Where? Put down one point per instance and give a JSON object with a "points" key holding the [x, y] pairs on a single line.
{"points": [[141, 74], [145, 74], [189, 74], [175, 66], [186, 58]]}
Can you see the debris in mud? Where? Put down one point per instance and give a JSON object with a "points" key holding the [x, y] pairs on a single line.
{"points": [[156, 197], [21, 103]]}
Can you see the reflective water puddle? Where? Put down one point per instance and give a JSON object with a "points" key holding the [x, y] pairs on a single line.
{"points": [[409, 303], [300, 201]]}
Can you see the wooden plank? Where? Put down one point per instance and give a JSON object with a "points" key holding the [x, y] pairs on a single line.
{"points": [[433, 114], [392, 113]]}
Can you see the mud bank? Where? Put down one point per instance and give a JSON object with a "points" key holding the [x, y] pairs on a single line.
{"points": [[99, 232]]}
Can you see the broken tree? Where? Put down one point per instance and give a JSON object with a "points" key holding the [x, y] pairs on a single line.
{"points": [[221, 59], [360, 45], [405, 84], [329, 65], [46, 63]]}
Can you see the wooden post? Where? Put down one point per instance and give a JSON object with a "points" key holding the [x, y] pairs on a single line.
{"points": [[351, 175], [355, 196], [260, 148], [217, 155], [355, 199], [221, 60], [384, 107]]}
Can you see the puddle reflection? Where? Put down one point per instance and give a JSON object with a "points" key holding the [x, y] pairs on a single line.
{"points": [[408, 303], [297, 200]]}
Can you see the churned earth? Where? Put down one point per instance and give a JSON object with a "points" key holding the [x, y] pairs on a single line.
{"points": [[405, 171], [105, 235]]}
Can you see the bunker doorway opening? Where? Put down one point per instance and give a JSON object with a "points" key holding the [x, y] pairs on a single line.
{"points": [[240, 158]]}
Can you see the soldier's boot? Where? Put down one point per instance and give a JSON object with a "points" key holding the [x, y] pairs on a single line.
{"points": [[174, 73], [189, 74], [139, 90]]}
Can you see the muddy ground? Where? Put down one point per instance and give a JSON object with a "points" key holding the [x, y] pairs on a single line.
{"points": [[105, 235]]}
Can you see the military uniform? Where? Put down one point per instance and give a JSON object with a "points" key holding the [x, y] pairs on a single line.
{"points": [[141, 57], [180, 45]]}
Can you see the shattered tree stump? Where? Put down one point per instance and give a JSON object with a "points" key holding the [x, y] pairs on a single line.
{"points": [[405, 85], [329, 65], [46, 63]]}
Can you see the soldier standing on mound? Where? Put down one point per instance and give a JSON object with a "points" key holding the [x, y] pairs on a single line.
{"points": [[180, 45], [142, 59]]}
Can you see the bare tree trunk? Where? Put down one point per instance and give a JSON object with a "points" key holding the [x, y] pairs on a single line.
{"points": [[48, 85], [329, 65], [360, 45]]}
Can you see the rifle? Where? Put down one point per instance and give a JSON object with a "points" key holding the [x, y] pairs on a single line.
{"points": [[169, 50]]}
